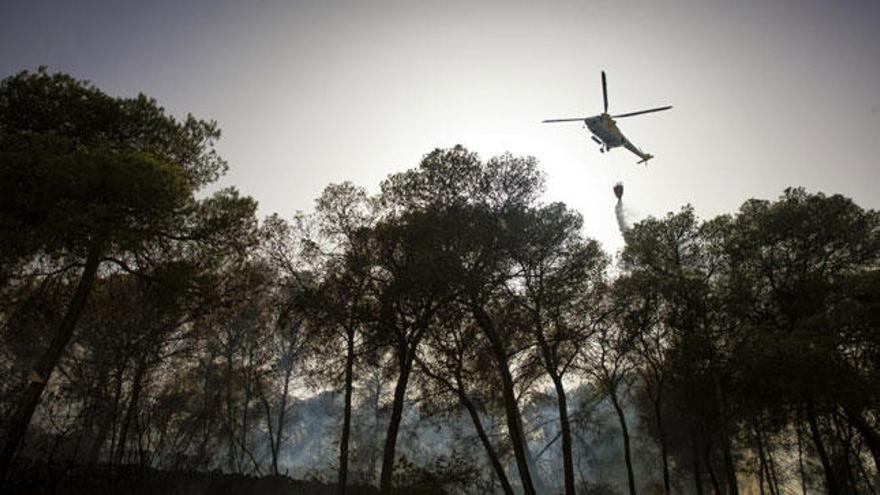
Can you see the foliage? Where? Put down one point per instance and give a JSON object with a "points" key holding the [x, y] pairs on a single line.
{"points": [[742, 350]]}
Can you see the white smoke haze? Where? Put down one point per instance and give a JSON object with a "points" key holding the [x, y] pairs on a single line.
{"points": [[426, 439]]}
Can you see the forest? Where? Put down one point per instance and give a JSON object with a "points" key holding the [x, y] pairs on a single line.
{"points": [[451, 333]]}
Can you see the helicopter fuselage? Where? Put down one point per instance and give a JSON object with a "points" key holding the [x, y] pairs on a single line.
{"points": [[605, 128]]}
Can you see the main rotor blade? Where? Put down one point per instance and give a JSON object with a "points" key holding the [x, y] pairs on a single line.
{"points": [[641, 112], [564, 120], [604, 91]]}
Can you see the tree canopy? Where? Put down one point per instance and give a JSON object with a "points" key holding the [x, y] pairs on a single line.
{"points": [[452, 333]]}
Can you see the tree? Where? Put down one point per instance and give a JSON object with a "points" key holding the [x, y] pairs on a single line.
{"points": [[412, 292], [679, 258], [344, 215], [94, 179], [562, 280], [337, 248], [608, 360], [439, 242], [637, 312], [793, 264]]}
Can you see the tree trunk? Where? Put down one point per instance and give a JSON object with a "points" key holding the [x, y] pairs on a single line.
{"points": [[664, 452], [245, 410], [514, 422], [761, 477], [93, 454], [21, 419], [229, 421], [627, 454], [346, 417], [827, 467], [801, 457], [698, 482], [131, 410], [729, 468], [273, 447], [843, 433], [871, 437], [772, 479], [551, 365], [385, 479], [117, 407], [872, 480], [487, 444], [209, 419], [763, 471], [374, 439], [716, 486], [461, 393], [282, 413], [565, 429], [99, 420]]}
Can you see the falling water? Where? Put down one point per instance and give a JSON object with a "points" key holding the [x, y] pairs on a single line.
{"points": [[618, 209], [621, 218]]}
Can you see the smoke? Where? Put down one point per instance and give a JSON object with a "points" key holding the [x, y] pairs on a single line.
{"points": [[428, 439], [622, 224]]}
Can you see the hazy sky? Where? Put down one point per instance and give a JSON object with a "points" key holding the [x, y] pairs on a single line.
{"points": [[767, 94]]}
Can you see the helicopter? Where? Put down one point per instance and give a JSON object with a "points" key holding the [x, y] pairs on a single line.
{"points": [[605, 131]]}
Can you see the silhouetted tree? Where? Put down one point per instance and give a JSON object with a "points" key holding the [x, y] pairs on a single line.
{"points": [[678, 256], [637, 311], [792, 262], [562, 278], [96, 179], [608, 361], [342, 302]]}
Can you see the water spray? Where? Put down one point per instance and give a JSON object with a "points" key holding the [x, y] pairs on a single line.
{"points": [[618, 209]]}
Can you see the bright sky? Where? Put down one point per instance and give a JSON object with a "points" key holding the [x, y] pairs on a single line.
{"points": [[767, 94]]}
